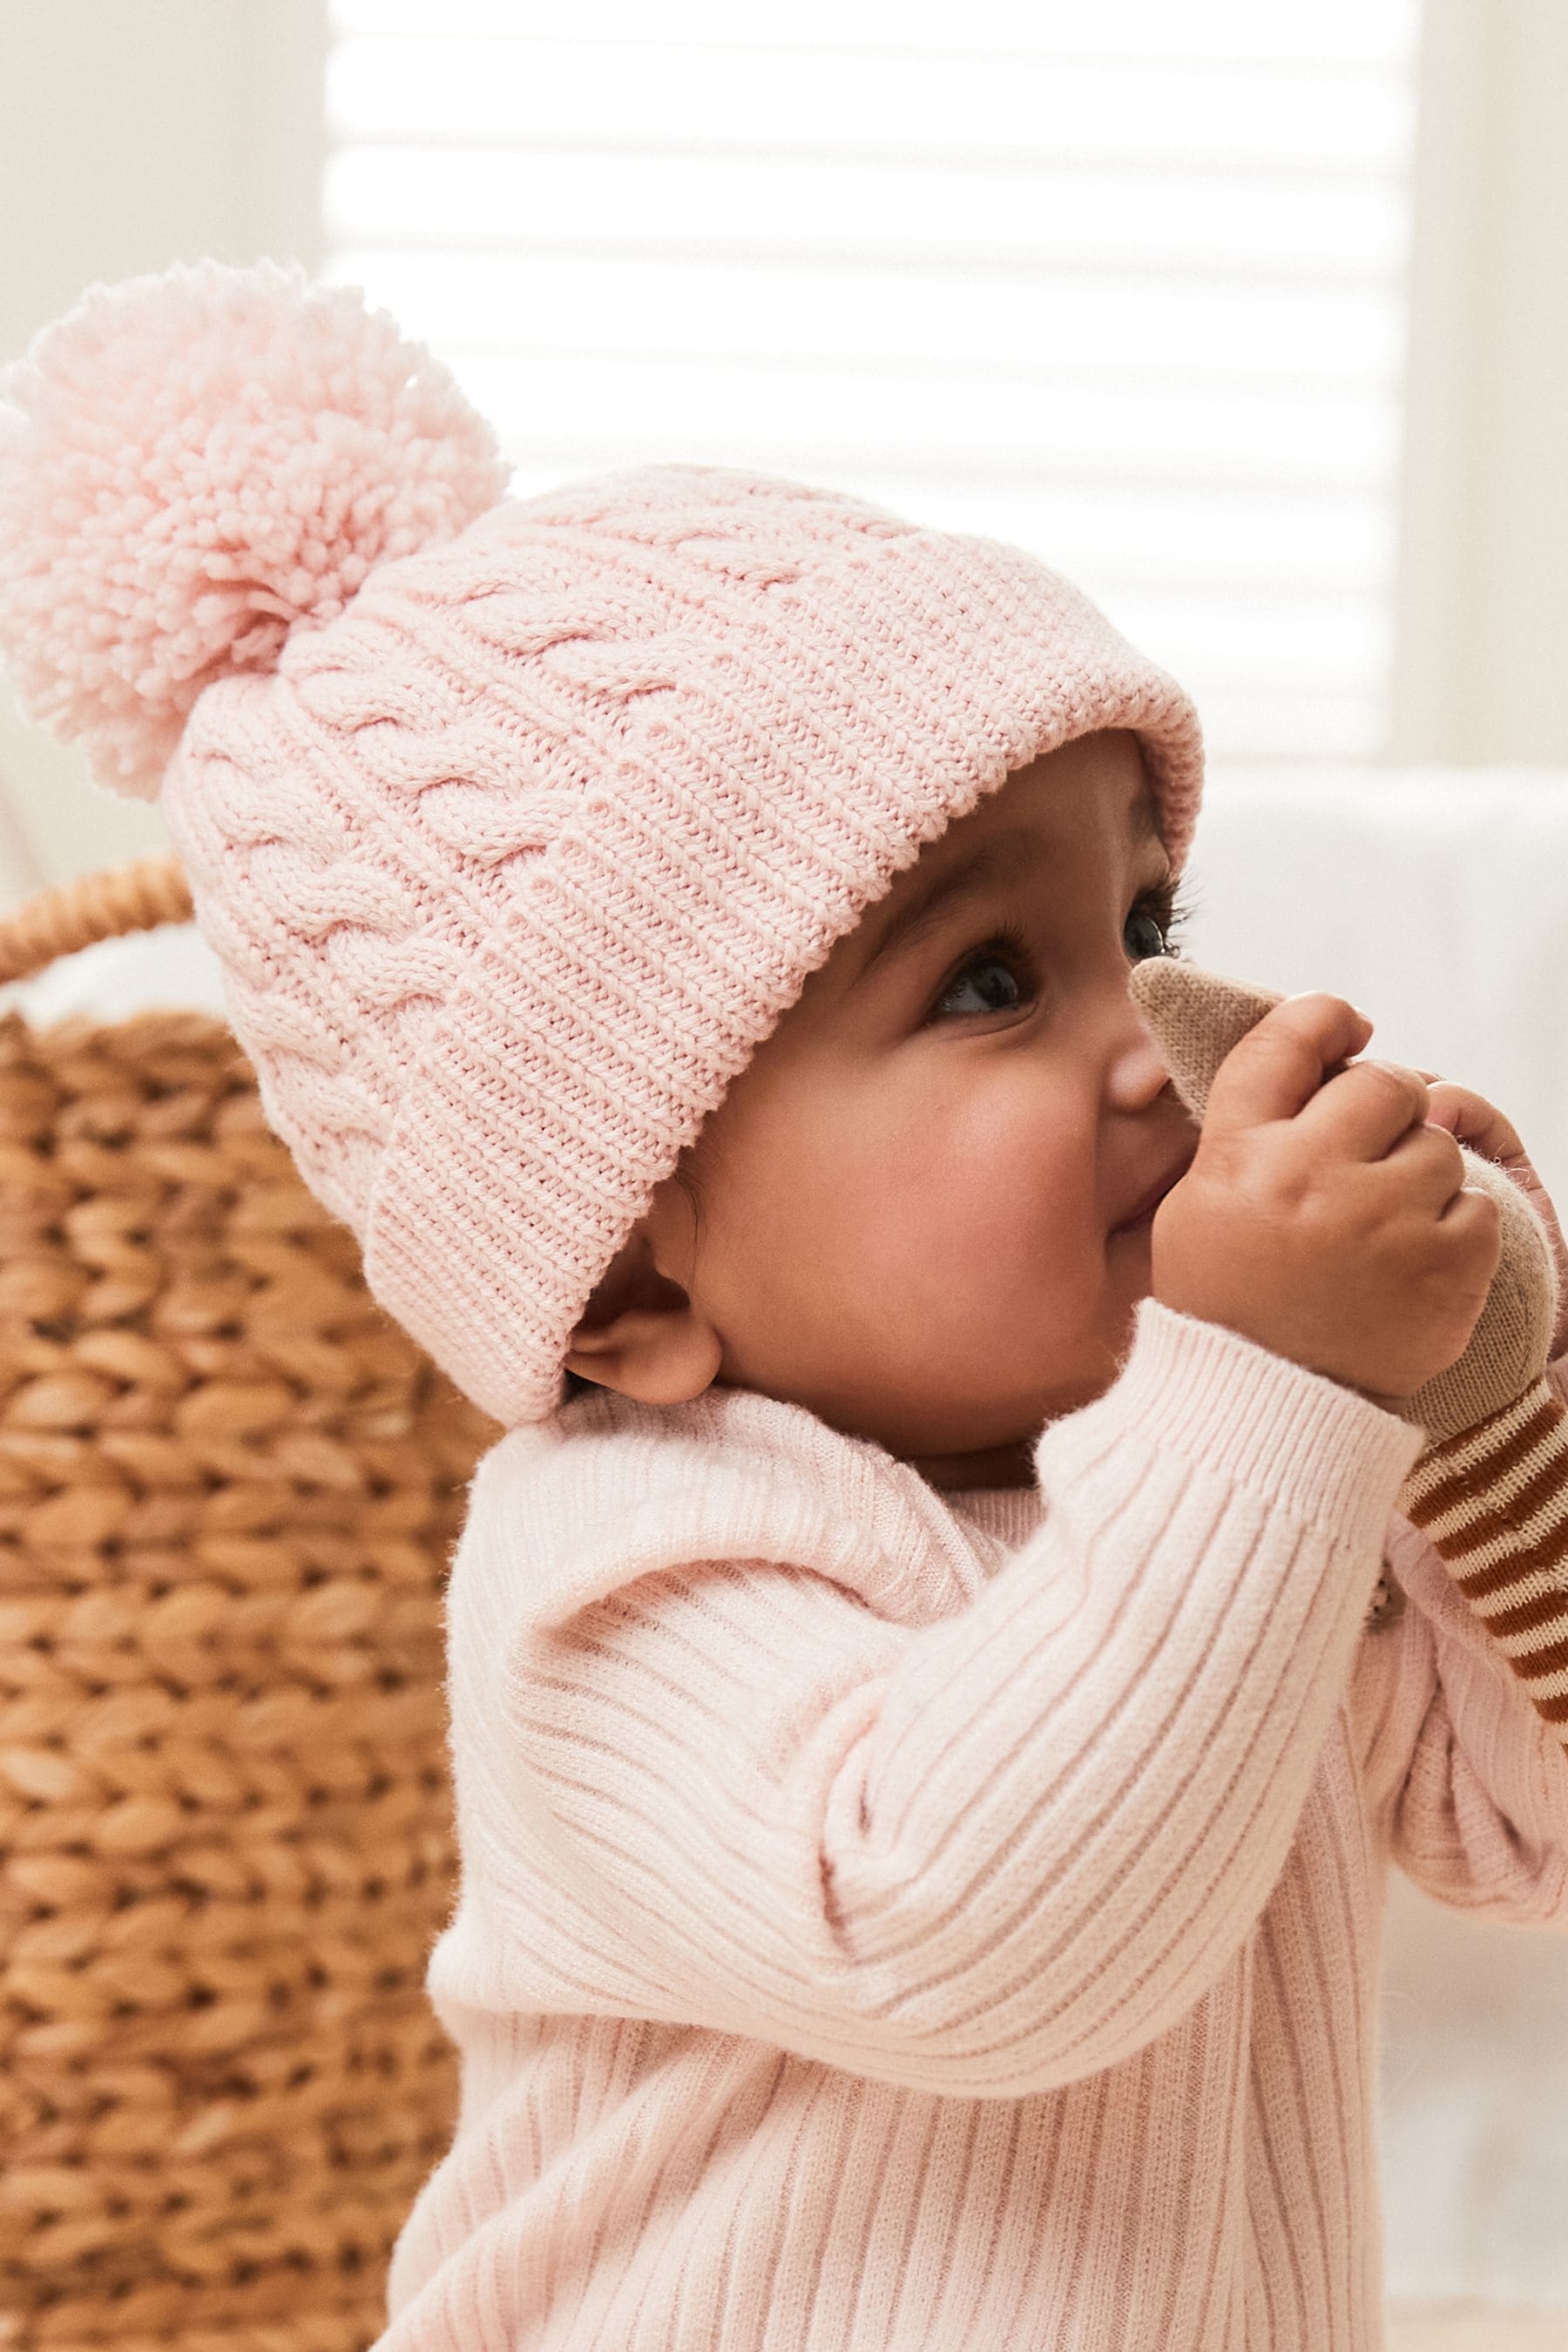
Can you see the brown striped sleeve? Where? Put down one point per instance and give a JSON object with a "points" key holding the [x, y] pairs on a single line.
{"points": [[1493, 1502]]}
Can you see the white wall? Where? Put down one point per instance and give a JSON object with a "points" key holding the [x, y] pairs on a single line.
{"points": [[1482, 593], [135, 133]]}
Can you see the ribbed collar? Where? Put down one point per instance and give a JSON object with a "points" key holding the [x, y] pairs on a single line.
{"points": [[1010, 1513]]}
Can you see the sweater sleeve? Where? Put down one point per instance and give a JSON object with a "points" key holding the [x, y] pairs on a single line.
{"points": [[988, 1855], [1468, 1779]]}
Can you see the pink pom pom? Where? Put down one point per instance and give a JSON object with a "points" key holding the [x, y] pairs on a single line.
{"points": [[193, 462]]}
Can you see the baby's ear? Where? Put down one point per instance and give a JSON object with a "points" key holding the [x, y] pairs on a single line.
{"points": [[1197, 1017]]}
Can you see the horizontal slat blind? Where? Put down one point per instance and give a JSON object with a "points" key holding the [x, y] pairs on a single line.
{"points": [[1123, 283]]}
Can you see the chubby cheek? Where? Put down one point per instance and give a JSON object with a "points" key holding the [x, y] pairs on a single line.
{"points": [[965, 1218]]}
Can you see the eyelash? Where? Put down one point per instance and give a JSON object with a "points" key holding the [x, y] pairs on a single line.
{"points": [[1168, 902]]}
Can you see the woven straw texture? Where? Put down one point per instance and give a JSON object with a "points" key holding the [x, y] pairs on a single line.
{"points": [[229, 1490]]}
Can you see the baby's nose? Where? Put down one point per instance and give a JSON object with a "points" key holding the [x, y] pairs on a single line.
{"points": [[1141, 1072]]}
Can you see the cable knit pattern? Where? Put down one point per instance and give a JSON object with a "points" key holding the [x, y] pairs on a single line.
{"points": [[592, 790], [514, 826], [892, 1922]]}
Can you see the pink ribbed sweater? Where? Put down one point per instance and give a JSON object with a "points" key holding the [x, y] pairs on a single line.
{"points": [[902, 1921]]}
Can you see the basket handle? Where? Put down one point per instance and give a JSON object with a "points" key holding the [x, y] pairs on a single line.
{"points": [[136, 897]]}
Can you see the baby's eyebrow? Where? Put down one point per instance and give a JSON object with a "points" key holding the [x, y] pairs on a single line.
{"points": [[1017, 850]]}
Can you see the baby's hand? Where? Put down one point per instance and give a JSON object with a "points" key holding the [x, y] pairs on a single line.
{"points": [[1318, 1221], [1478, 1124]]}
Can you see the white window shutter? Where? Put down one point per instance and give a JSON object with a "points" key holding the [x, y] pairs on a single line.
{"points": [[1124, 284]]}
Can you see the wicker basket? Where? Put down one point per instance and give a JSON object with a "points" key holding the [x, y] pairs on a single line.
{"points": [[230, 1488]]}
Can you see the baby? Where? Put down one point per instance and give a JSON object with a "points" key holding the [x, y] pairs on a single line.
{"points": [[923, 1786], [915, 1212], [904, 1216]]}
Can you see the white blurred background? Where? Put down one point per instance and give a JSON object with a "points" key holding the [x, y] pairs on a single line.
{"points": [[1251, 320]]}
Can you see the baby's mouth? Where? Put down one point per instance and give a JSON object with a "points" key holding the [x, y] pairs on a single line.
{"points": [[1143, 1215], [1142, 1224]]}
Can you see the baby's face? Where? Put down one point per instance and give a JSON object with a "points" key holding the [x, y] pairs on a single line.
{"points": [[908, 1198]]}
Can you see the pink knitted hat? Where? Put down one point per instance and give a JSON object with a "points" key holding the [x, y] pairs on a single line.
{"points": [[515, 825]]}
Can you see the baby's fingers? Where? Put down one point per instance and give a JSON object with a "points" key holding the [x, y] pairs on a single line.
{"points": [[1478, 1124], [1470, 1119]]}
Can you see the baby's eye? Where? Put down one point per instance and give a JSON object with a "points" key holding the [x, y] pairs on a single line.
{"points": [[1161, 910], [1008, 951]]}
